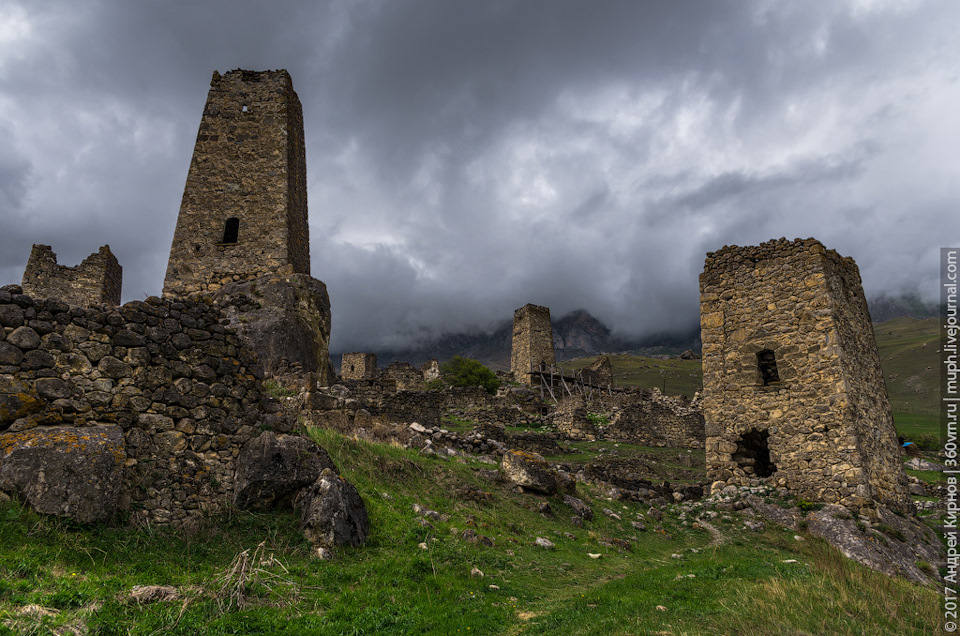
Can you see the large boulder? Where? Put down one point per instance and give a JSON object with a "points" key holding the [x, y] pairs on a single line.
{"points": [[285, 319], [332, 512], [529, 470], [272, 468], [73, 472]]}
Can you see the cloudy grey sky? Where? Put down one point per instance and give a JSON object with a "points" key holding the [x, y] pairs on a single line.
{"points": [[466, 157]]}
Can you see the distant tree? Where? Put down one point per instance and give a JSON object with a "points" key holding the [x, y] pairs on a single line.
{"points": [[459, 371]]}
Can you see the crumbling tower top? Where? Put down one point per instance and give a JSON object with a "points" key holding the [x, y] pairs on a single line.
{"points": [[244, 207]]}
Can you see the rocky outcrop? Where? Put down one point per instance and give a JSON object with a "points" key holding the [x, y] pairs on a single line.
{"points": [[272, 468], [892, 544], [285, 319], [332, 512], [67, 471]]}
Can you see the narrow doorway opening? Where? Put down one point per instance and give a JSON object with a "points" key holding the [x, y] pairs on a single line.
{"points": [[753, 454]]}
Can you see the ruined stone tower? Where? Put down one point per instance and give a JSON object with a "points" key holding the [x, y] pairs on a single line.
{"points": [[532, 343], [97, 280], [793, 393], [358, 366], [244, 208]]}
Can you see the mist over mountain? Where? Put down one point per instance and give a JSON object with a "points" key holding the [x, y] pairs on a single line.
{"points": [[579, 334]]}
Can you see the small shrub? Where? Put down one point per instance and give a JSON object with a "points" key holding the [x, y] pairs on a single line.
{"points": [[435, 385], [927, 441], [465, 372], [808, 506], [926, 568], [276, 390], [597, 419]]}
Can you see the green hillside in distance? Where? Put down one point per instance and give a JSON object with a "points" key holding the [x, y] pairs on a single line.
{"points": [[908, 354]]}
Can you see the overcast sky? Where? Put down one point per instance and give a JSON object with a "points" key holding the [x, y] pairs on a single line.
{"points": [[467, 157]]}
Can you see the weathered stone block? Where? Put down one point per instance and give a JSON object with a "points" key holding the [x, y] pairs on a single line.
{"points": [[65, 471], [332, 512], [271, 469]]}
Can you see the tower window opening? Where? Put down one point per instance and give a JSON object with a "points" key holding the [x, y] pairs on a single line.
{"points": [[767, 363], [231, 230], [244, 108]]}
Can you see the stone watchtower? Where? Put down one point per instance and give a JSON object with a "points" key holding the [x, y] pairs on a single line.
{"points": [[532, 343], [244, 208], [793, 393], [359, 366], [97, 280]]}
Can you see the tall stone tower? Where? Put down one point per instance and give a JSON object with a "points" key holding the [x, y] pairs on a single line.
{"points": [[244, 208], [793, 393], [532, 343]]}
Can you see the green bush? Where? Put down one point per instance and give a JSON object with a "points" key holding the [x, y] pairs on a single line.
{"points": [[460, 371]]}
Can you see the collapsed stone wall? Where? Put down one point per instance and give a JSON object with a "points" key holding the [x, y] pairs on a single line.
{"points": [[793, 391], [168, 390], [97, 280], [653, 419]]}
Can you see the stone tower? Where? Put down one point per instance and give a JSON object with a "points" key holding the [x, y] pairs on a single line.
{"points": [[793, 393], [358, 366], [97, 280], [532, 343], [244, 208]]}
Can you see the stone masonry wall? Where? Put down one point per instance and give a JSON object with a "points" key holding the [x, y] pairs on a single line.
{"points": [[532, 342], [249, 165], [97, 280], [179, 385], [653, 419], [793, 391]]}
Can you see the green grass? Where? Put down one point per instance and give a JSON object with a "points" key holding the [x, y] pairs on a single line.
{"points": [[673, 376], [392, 585]]}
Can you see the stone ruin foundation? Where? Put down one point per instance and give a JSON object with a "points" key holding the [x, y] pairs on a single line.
{"points": [[95, 281], [793, 393]]}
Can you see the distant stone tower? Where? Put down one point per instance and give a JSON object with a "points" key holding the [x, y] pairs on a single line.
{"points": [[244, 208], [358, 366], [97, 280], [793, 393], [532, 343]]}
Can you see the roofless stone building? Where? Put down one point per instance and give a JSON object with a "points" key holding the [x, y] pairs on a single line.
{"points": [[793, 393], [97, 280]]}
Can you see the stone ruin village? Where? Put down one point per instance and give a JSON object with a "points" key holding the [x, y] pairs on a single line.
{"points": [[158, 411]]}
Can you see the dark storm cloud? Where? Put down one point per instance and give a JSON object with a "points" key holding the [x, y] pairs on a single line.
{"points": [[465, 157]]}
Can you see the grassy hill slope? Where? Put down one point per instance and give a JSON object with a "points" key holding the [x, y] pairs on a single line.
{"points": [[422, 576]]}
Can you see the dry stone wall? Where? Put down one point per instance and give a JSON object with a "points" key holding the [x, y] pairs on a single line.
{"points": [[793, 391], [165, 379], [244, 208], [97, 280]]}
